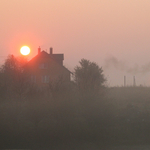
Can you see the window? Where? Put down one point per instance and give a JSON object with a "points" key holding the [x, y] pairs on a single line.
{"points": [[33, 78], [43, 66], [45, 79]]}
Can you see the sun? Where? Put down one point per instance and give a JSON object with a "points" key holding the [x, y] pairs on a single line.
{"points": [[25, 50]]}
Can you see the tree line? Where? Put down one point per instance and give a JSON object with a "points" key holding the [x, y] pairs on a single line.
{"points": [[15, 81]]}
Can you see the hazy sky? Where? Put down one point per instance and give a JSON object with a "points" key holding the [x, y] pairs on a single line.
{"points": [[113, 33]]}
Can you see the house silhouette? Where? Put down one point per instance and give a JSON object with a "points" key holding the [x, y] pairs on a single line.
{"points": [[46, 67]]}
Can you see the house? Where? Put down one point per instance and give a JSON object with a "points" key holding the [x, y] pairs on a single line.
{"points": [[47, 67]]}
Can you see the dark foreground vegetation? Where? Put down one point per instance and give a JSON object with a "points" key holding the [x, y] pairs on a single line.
{"points": [[71, 116], [122, 117]]}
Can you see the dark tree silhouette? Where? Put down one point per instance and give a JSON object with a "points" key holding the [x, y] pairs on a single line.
{"points": [[89, 76], [13, 66], [13, 76]]}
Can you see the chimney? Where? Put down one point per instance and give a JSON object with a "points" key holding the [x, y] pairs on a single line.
{"points": [[39, 50], [51, 50]]}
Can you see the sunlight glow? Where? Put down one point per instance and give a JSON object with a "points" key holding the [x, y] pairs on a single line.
{"points": [[25, 50]]}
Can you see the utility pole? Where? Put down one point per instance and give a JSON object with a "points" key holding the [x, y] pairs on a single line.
{"points": [[134, 82], [124, 81]]}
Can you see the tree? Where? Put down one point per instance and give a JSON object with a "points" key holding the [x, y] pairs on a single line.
{"points": [[89, 77], [13, 65], [13, 76]]}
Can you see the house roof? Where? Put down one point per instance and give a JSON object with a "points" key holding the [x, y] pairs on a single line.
{"points": [[57, 56], [54, 57]]}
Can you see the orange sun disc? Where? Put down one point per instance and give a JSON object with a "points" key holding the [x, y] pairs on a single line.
{"points": [[25, 50]]}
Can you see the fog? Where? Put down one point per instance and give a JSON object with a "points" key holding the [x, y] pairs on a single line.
{"points": [[113, 62], [61, 114], [115, 35]]}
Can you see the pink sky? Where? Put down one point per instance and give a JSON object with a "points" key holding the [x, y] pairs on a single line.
{"points": [[97, 30]]}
